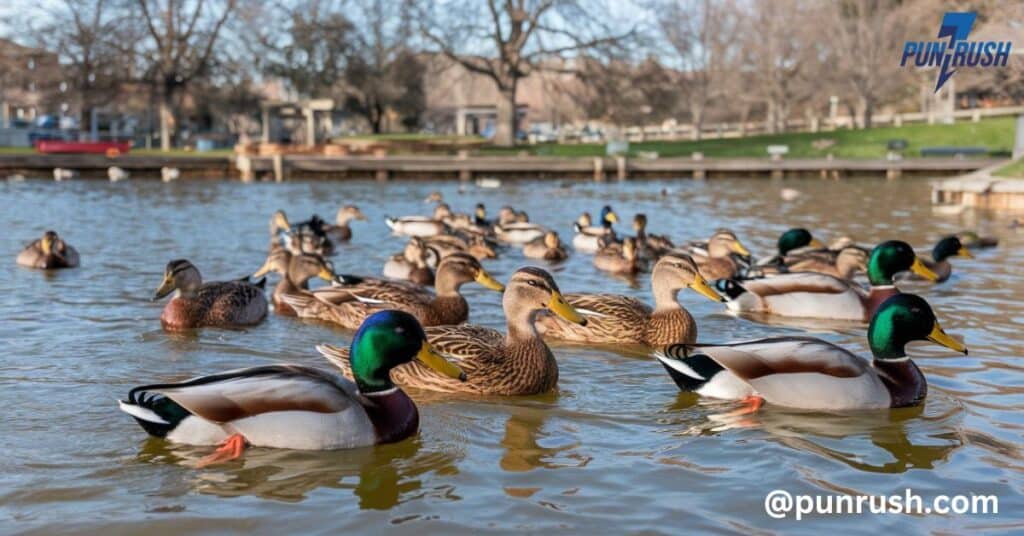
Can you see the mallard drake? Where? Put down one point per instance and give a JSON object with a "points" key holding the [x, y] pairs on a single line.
{"points": [[548, 247], [341, 231], [213, 304], [809, 373], [294, 406], [516, 363], [347, 305], [295, 271], [413, 263], [971, 240], [420, 226], [949, 246], [814, 295], [48, 253], [615, 319], [619, 258], [586, 237], [844, 264], [473, 244], [651, 246], [796, 239], [717, 261]]}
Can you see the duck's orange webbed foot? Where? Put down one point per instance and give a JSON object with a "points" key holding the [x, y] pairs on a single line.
{"points": [[750, 405], [230, 449]]}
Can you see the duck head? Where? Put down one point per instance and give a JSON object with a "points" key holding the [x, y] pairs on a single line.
{"points": [[387, 339], [892, 257], [180, 275], [904, 318], [950, 247]]}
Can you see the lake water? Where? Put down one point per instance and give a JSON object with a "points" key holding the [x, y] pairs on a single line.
{"points": [[617, 447]]}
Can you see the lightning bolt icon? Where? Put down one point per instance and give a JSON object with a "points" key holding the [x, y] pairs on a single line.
{"points": [[944, 73]]}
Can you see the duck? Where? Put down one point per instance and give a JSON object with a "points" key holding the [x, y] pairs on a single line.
{"points": [[796, 239], [414, 263], [816, 295], [507, 215], [215, 304], [619, 258], [717, 259], [548, 247], [519, 232], [169, 174], [48, 253], [292, 406], [616, 319], [652, 246], [844, 264], [64, 174], [116, 174], [304, 237], [813, 374], [944, 249], [349, 303], [341, 231], [295, 271], [421, 226], [586, 237], [516, 363], [971, 240], [473, 244]]}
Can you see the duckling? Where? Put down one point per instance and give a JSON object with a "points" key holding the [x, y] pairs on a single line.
{"points": [[809, 373], [414, 263], [516, 363], [340, 231], [421, 226], [619, 258], [548, 247], [214, 304], [295, 406], [349, 303], [295, 271], [587, 235], [615, 319], [48, 253]]}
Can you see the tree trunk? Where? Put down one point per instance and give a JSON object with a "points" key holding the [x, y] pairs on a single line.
{"points": [[696, 121], [506, 122], [869, 111], [166, 120]]}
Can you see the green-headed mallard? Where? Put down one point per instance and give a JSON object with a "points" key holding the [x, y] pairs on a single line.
{"points": [[809, 373], [795, 240], [295, 271], [612, 318], [48, 253], [814, 295], [294, 406], [548, 247], [213, 304], [515, 363], [587, 237], [347, 305], [944, 249]]}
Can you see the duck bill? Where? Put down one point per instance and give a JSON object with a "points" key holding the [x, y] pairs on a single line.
{"points": [[962, 252], [612, 217], [560, 307], [815, 243], [46, 245], [920, 269], [487, 281], [166, 287], [429, 357], [739, 248], [938, 336], [281, 221], [264, 270], [326, 275], [700, 285]]}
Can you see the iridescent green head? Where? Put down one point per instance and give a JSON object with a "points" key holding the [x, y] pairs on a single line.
{"points": [[795, 239], [949, 247], [904, 318], [386, 340], [892, 257]]}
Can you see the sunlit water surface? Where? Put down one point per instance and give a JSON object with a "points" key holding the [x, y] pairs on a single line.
{"points": [[617, 446]]}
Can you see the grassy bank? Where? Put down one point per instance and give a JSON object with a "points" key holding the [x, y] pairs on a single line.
{"points": [[994, 134], [1014, 170]]}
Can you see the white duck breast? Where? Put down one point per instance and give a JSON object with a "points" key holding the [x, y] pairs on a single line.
{"points": [[803, 373], [419, 226], [519, 233], [806, 294]]}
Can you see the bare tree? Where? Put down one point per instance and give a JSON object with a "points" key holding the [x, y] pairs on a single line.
{"points": [[621, 93], [506, 41], [703, 34], [178, 48]]}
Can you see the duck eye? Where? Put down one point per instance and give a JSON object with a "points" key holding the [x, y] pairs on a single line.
{"points": [[399, 330]]}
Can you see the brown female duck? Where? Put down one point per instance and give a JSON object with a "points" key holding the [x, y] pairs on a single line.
{"points": [[341, 231], [615, 319], [717, 262], [619, 258], [548, 247], [515, 363], [48, 252], [295, 271], [214, 304]]}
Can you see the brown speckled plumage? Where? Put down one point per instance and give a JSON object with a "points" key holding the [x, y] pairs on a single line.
{"points": [[214, 304], [48, 253]]}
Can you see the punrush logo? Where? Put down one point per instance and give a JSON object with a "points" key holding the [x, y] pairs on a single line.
{"points": [[957, 51]]}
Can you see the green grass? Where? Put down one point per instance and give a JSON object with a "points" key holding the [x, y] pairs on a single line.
{"points": [[1014, 169], [216, 153], [994, 134], [410, 137]]}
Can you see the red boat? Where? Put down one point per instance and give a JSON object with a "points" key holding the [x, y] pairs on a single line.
{"points": [[109, 148]]}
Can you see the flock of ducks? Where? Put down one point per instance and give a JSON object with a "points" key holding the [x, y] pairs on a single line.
{"points": [[410, 328]]}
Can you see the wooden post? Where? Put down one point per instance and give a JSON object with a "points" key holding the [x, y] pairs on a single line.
{"points": [[620, 162], [278, 167], [465, 174], [598, 169], [243, 163], [699, 173]]}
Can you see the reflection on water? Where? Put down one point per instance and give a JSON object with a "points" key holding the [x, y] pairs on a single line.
{"points": [[616, 446]]}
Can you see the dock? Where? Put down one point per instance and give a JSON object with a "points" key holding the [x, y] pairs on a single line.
{"points": [[463, 167], [980, 189]]}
